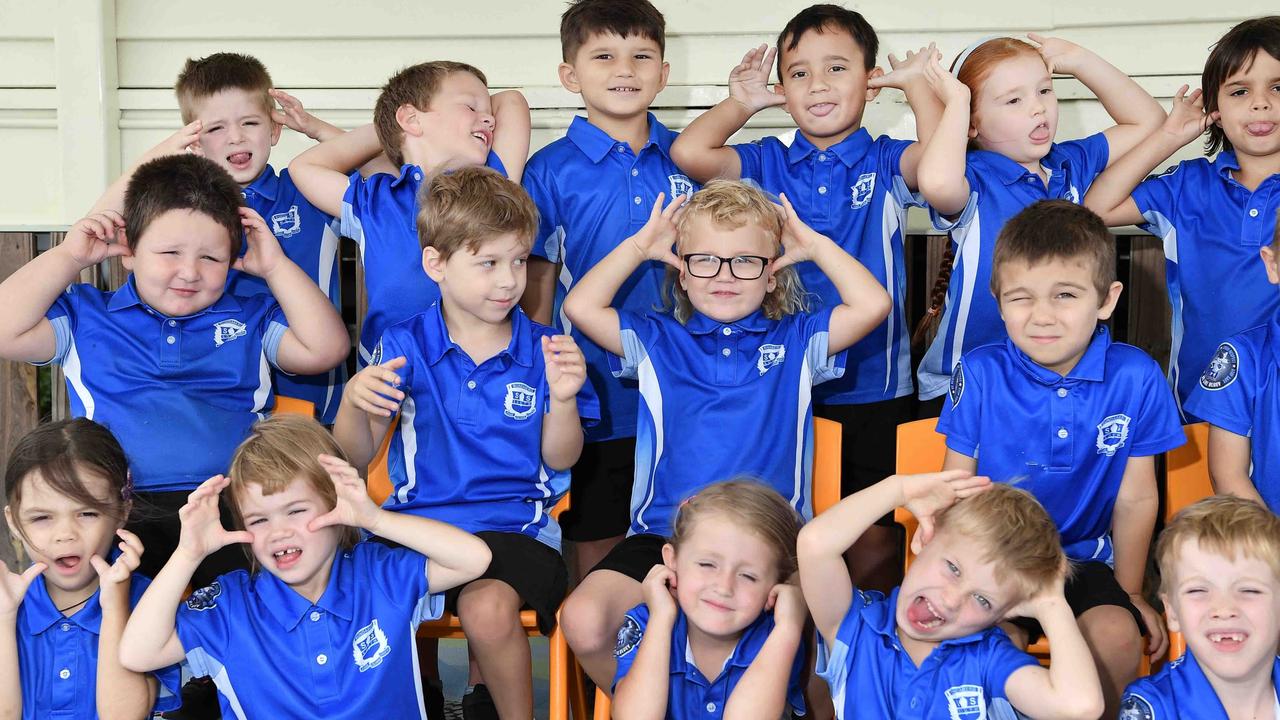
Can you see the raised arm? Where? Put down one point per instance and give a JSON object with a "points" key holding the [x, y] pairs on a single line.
{"points": [[121, 693], [13, 587], [186, 139], [321, 172], [369, 401], [511, 131], [1230, 457], [908, 76], [1111, 195], [1069, 688], [589, 305], [864, 304], [940, 171], [700, 150], [762, 691], [642, 693], [561, 426], [1132, 521]]}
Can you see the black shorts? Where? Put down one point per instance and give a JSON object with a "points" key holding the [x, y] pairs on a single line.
{"points": [[534, 570], [600, 491], [1092, 584], [870, 449], [155, 521], [634, 556], [931, 408]]}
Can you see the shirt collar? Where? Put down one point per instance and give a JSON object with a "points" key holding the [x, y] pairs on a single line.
{"points": [[519, 349], [1225, 163], [700, 324], [408, 173], [288, 608], [1092, 365], [267, 185], [753, 637], [39, 613], [1010, 172], [126, 296], [849, 150], [596, 143]]}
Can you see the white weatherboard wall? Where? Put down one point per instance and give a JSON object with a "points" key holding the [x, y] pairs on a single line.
{"points": [[85, 85]]}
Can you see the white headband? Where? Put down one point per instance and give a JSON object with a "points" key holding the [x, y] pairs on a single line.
{"points": [[955, 67]]}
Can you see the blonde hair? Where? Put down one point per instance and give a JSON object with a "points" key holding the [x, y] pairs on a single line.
{"points": [[464, 208], [753, 506], [415, 85], [1223, 525], [1015, 535], [729, 205], [279, 450], [207, 76]]}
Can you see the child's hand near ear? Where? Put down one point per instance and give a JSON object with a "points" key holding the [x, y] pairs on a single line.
{"points": [[787, 602], [928, 494], [658, 236], [749, 80], [292, 115], [263, 253], [907, 70], [659, 593], [95, 238], [202, 532], [353, 506], [1187, 119], [13, 587], [114, 579]]}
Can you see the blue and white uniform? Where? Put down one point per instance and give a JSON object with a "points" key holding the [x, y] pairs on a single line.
{"points": [[1179, 691], [468, 448], [691, 694], [999, 188], [309, 238], [272, 653], [592, 193], [1239, 392], [872, 676], [1212, 228], [853, 193], [380, 213], [58, 657], [720, 400], [180, 393], [1066, 440]]}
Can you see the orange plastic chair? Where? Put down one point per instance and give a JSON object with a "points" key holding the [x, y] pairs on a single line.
{"points": [[1186, 481], [294, 406], [828, 446]]}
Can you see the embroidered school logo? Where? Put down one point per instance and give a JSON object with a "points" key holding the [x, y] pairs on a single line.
{"points": [[965, 702], [370, 646], [1223, 368], [521, 401], [770, 355], [628, 637], [226, 331], [206, 597], [957, 384], [1073, 194], [1112, 433], [860, 192], [376, 357], [680, 185], [286, 224], [1136, 707]]}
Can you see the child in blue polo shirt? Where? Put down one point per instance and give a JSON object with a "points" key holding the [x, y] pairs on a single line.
{"points": [[491, 410], [847, 186], [1213, 215], [1220, 581], [931, 649], [719, 633], [323, 625], [593, 189], [430, 117], [726, 377], [1239, 395], [177, 368], [67, 494], [1074, 418]]}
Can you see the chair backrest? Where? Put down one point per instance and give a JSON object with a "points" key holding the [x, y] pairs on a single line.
{"points": [[828, 443], [294, 406], [1186, 481], [920, 449]]}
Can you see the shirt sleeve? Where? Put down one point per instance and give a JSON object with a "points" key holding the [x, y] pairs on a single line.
{"points": [[639, 335], [203, 624], [967, 214], [168, 679], [391, 346], [1088, 157], [1226, 403], [1157, 199], [62, 316], [797, 682], [1160, 427], [367, 198], [816, 329], [628, 641], [891, 168], [1002, 661], [400, 575], [751, 158], [961, 419], [550, 231], [835, 658], [274, 327]]}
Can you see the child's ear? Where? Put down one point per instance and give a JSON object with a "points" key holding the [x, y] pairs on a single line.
{"points": [[1110, 300], [127, 259], [569, 78], [668, 555], [407, 119], [1170, 614], [1271, 260], [666, 72], [275, 131], [13, 526], [433, 263], [772, 284], [876, 72]]}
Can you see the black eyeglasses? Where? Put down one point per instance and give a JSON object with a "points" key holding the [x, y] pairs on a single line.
{"points": [[743, 267]]}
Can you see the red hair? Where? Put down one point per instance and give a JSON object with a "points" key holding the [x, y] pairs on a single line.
{"points": [[979, 63]]}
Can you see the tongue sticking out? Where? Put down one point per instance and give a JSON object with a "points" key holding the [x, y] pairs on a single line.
{"points": [[1040, 134], [70, 562], [239, 158], [919, 614]]}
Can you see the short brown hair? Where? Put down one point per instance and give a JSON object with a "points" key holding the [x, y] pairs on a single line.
{"points": [[466, 207], [623, 18], [211, 75], [753, 506], [1224, 525], [1056, 230], [415, 85], [824, 18], [1233, 52], [731, 204], [183, 182], [1014, 534]]}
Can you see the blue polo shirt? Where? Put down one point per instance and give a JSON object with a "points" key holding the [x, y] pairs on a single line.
{"points": [[721, 400], [853, 193], [1212, 228], [1239, 392], [999, 188], [468, 448], [380, 213], [58, 657], [1065, 440], [871, 676], [272, 653], [592, 193], [309, 238], [691, 694], [1179, 691], [179, 393]]}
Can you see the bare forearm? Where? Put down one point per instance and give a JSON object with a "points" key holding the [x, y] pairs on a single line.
{"points": [[926, 106], [154, 618], [511, 131], [27, 295], [321, 171], [642, 692], [864, 303], [353, 432], [701, 148], [588, 305], [1114, 187], [121, 693], [940, 175], [447, 546], [762, 691], [561, 435], [1132, 523], [10, 676], [1073, 679], [313, 322], [1124, 100]]}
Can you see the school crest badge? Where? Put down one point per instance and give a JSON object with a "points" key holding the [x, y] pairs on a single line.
{"points": [[1113, 431], [286, 224], [680, 185], [860, 192], [375, 358], [520, 402], [370, 646], [227, 330], [629, 636], [1136, 707], [770, 355], [1223, 368], [957, 384], [205, 598], [966, 702], [1073, 194]]}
